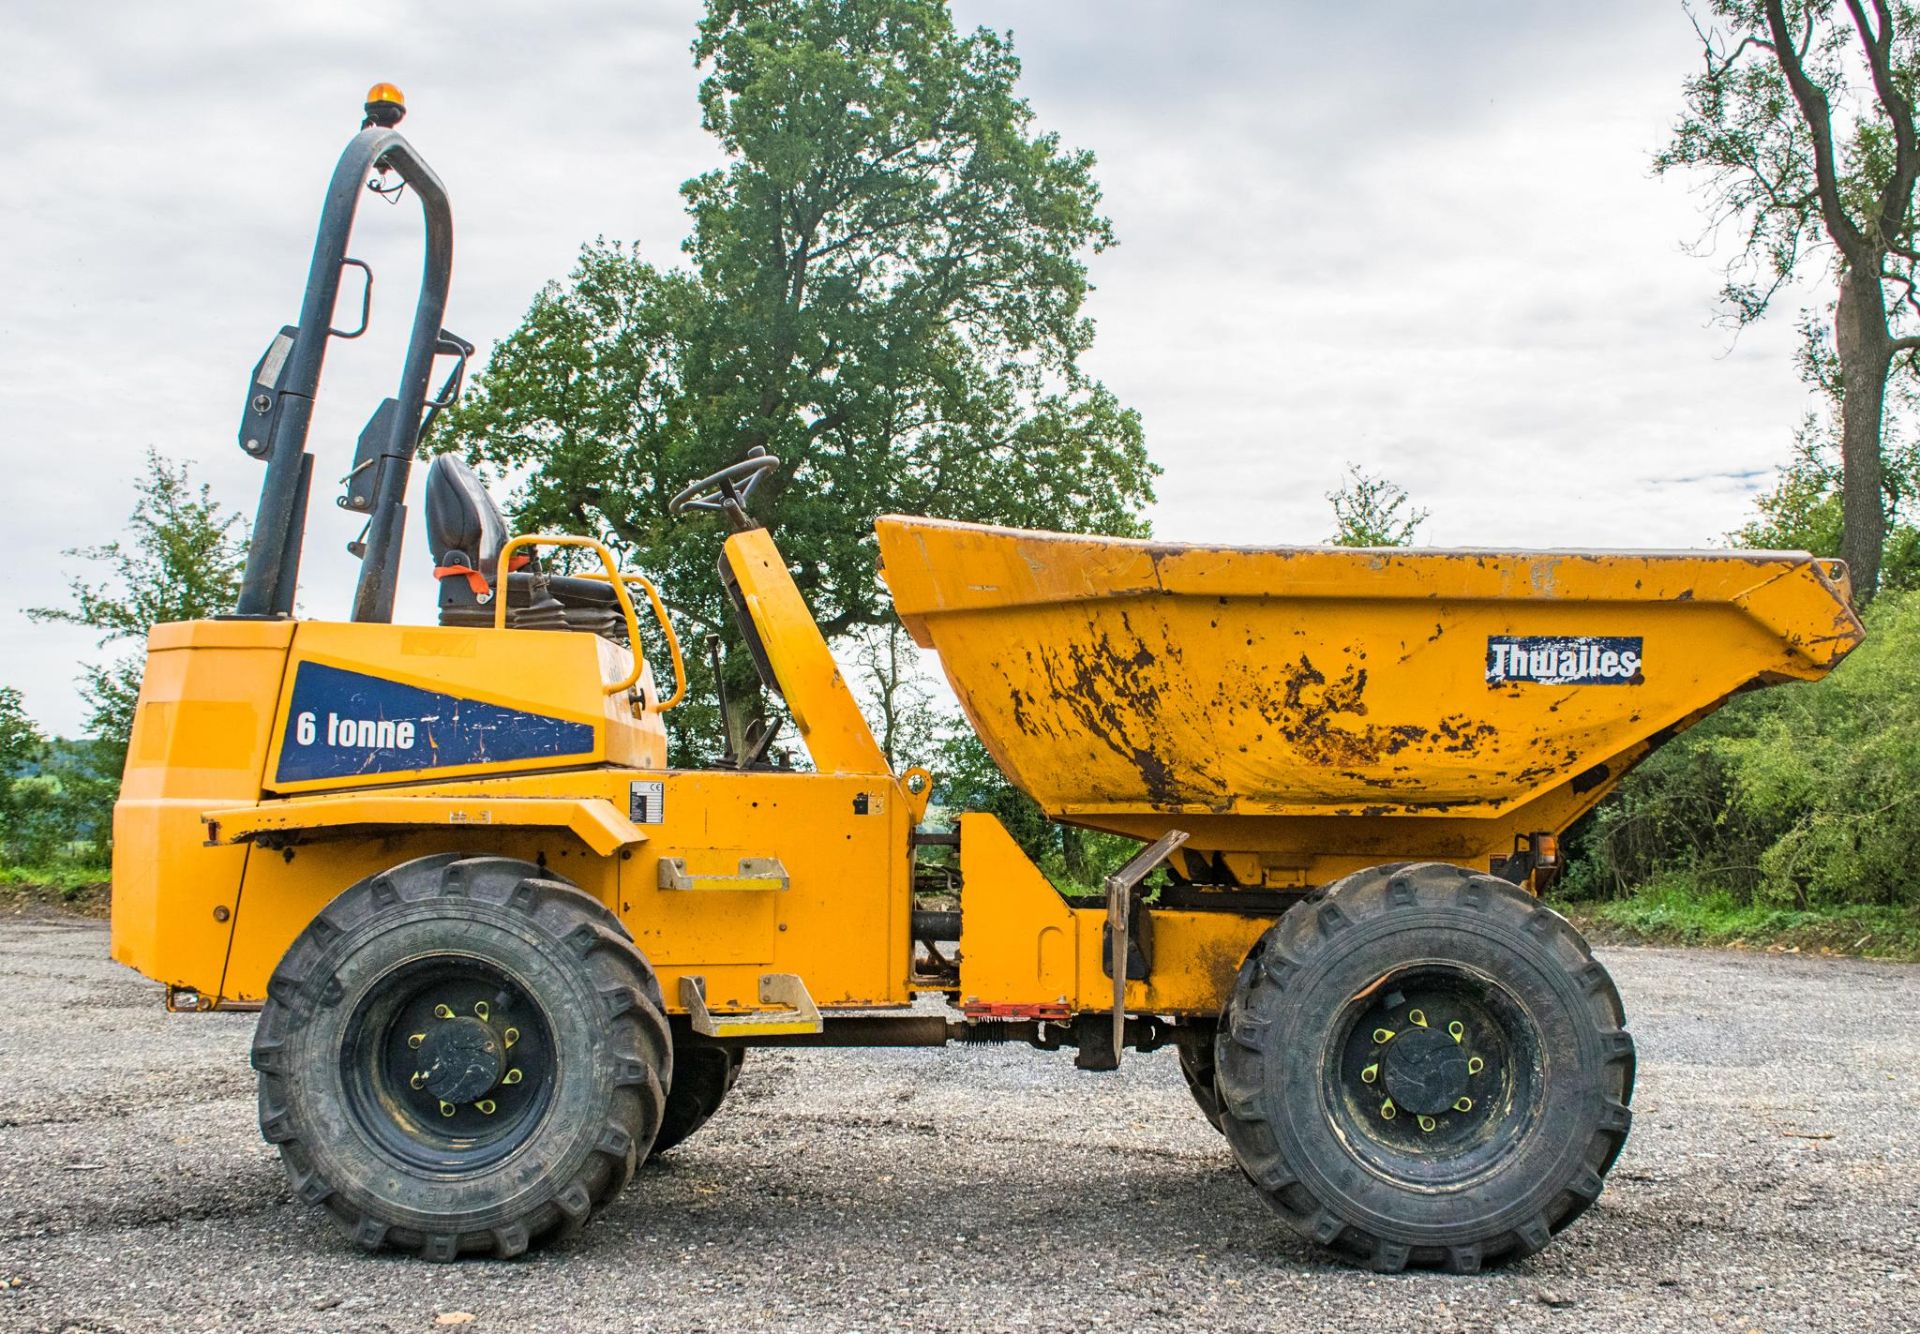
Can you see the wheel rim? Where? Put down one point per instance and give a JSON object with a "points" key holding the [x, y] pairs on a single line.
{"points": [[448, 1064], [1433, 1074]]}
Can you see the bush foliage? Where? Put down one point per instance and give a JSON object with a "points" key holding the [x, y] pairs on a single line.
{"points": [[1802, 798]]}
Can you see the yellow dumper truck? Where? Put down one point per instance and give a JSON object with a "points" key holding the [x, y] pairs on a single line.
{"points": [[503, 953]]}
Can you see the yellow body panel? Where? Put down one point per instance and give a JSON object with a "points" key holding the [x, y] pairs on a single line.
{"points": [[841, 923], [1303, 712], [1024, 950], [837, 915], [593, 820], [202, 729], [824, 711]]}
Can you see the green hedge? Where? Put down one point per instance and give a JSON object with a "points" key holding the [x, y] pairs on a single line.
{"points": [[1804, 797]]}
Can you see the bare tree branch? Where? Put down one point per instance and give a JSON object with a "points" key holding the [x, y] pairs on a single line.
{"points": [[1896, 197], [1728, 61], [1909, 282], [1815, 108]]}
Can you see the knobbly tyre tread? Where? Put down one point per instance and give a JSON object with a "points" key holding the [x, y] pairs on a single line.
{"points": [[1284, 958], [639, 1045], [703, 1075]]}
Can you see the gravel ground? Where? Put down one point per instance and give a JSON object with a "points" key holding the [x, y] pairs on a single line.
{"points": [[1772, 1183]]}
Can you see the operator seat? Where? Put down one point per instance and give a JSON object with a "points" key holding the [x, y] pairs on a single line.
{"points": [[466, 531]]}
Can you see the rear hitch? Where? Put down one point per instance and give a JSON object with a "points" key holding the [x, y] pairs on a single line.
{"points": [[1094, 1034]]}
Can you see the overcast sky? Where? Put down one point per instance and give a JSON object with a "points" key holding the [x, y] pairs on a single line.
{"points": [[1415, 236]]}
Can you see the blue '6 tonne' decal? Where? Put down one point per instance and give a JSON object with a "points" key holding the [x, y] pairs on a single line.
{"points": [[343, 724]]}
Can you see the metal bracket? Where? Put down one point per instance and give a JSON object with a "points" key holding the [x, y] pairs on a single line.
{"points": [[756, 873], [797, 1012], [1120, 887]]}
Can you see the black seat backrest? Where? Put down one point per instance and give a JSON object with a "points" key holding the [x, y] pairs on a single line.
{"points": [[467, 531], [461, 516]]}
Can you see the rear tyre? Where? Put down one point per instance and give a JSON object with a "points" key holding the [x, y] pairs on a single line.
{"points": [[703, 1075], [1425, 1067], [462, 1055], [1196, 1067]]}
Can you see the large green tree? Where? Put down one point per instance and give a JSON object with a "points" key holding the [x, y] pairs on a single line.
{"points": [[1802, 121], [885, 288]]}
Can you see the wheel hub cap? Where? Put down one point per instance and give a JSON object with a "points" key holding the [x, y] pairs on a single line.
{"points": [[461, 1058], [1424, 1071]]}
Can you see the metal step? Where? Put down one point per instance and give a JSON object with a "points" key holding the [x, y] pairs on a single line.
{"points": [[796, 1013]]}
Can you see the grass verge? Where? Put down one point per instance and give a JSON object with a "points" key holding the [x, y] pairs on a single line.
{"points": [[1674, 913], [75, 889]]}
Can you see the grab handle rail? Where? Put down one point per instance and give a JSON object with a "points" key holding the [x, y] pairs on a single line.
{"points": [[514, 544], [666, 629]]}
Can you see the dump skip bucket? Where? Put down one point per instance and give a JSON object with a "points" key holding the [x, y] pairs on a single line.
{"points": [[1310, 709]]}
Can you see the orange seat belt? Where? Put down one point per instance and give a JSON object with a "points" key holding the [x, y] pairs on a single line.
{"points": [[476, 580]]}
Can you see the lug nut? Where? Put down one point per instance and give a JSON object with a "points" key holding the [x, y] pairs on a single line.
{"points": [[1427, 1124], [1417, 1017], [480, 1008], [511, 1036], [512, 1076], [443, 1012], [1457, 1031], [1371, 1073], [486, 1106], [415, 1039], [1382, 1035], [446, 1108], [1475, 1065], [419, 1078], [1388, 1111], [1463, 1104]]}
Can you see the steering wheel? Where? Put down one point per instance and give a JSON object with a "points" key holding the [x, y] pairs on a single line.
{"points": [[728, 490]]}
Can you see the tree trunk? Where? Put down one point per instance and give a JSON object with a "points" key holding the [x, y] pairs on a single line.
{"points": [[1865, 347], [1073, 855]]}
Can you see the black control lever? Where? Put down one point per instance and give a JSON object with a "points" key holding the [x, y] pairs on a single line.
{"points": [[461, 350], [377, 436]]}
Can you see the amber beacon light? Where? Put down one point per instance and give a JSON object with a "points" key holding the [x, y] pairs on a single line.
{"points": [[386, 106]]}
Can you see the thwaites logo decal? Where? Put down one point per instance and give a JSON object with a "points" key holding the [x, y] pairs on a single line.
{"points": [[344, 724], [1565, 660]]}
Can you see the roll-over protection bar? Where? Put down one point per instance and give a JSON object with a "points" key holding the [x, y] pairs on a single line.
{"points": [[280, 397]]}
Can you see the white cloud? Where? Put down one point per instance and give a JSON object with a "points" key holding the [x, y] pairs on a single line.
{"points": [[1419, 237]]}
